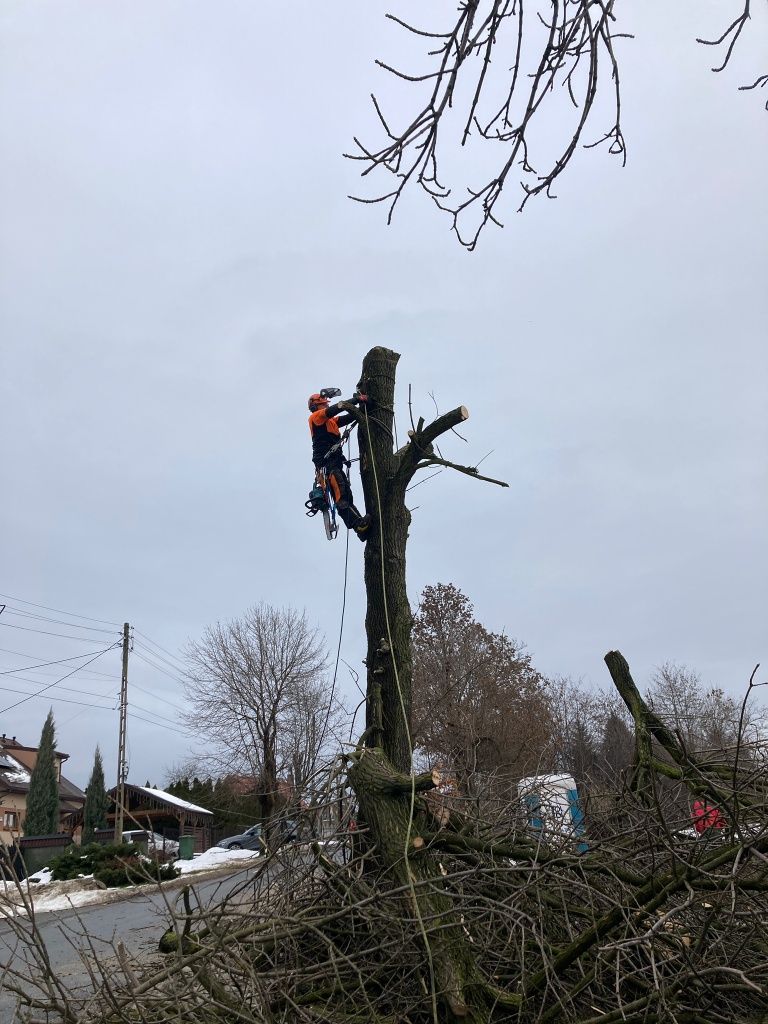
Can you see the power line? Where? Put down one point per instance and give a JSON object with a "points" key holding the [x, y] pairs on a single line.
{"points": [[155, 696], [103, 696], [43, 664], [89, 674], [60, 611], [149, 711], [180, 669], [71, 673], [66, 700], [158, 668], [159, 647], [69, 689], [24, 654], [10, 610], [43, 632], [158, 724]]}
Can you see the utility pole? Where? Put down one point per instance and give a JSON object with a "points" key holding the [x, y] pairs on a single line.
{"points": [[122, 766]]}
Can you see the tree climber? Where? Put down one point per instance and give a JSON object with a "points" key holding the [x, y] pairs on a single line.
{"points": [[328, 454]]}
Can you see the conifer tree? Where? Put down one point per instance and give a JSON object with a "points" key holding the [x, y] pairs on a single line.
{"points": [[96, 801], [42, 816]]}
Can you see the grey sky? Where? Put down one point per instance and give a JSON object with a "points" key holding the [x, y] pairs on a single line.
{"points": [[180, 268]]}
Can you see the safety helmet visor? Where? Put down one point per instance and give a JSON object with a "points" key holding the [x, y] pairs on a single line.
{"points": [[317, 401]]}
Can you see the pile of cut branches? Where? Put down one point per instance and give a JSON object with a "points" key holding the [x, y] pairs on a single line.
{"points": [[653, 922]]}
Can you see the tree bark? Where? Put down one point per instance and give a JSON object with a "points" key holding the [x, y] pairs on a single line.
{"points": [[388, 617], [385, 476], [381, 768], [386, 800]]}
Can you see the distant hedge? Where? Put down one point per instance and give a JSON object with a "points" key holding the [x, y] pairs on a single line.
{"points": [[115, 864]]}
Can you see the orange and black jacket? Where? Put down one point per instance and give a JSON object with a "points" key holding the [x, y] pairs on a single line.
{"points": [[324, 427]]}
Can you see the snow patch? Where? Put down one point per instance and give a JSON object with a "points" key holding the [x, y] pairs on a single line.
{"points": [[54, 901], [46, 895], [216, 857], [13, 770], [43, 877], [169, 798]]}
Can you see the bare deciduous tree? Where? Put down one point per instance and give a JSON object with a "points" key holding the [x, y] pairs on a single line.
{"points": [[706, 720], [576, 730], [519, 85], [259, 697]]}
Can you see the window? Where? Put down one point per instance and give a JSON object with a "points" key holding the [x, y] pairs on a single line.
{"points": [[10, 819]]}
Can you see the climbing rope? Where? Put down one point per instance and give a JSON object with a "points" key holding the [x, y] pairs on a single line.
{"points": [[341, 633]]}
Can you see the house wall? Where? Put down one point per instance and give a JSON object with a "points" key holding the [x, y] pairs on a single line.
{"points": [[11, 803], [16, 803]]}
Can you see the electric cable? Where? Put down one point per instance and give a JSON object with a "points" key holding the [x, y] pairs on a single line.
{"points": [[159, 647], [149, 711], [10, 610], [60, 611], [68, 689], [148, 721], [43, 664], [149, 693], [43, 674], [66, 700], [158, 657], [43, 632], [158, 668], [71, 673], [89, 671]]}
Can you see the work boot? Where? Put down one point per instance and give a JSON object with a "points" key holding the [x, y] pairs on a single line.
{"points": [[363, 527]]}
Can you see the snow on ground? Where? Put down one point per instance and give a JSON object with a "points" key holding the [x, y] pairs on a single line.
{"points": [[42, 877], [47, 895], [49, 899], [216, 857]]}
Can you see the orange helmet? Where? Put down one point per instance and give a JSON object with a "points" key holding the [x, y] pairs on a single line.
{"points": [[317, 401]]}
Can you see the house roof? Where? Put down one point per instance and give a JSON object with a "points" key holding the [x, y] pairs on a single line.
{"points": [[176, 801], [69, 791], [7, 744], [162, 800], [13, 774], [15, 777]]}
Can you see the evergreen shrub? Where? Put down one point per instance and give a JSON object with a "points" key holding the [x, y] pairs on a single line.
{"points": [[114, 864]]}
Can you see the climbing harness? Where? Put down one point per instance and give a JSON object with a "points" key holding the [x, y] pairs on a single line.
{"points": [[321, 496], [321, 500]]}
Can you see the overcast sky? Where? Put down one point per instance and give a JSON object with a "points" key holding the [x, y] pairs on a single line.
{"points": [[180, 268]]}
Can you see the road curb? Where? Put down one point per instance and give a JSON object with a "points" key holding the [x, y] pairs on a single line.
{"points": [[105, 897]]}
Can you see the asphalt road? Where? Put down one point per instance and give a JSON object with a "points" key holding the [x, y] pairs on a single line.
{"points": [[76, 938]]}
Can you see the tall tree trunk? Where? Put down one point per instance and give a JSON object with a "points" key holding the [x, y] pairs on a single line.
{"points": [[268, 795], [388, 618], [381, 770]]}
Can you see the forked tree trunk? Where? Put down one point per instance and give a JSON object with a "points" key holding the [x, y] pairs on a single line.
{"points": [[380, 772]]}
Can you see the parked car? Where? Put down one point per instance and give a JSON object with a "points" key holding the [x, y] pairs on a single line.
{"points": [[248, 840], [157, 845], [289, 829]]}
